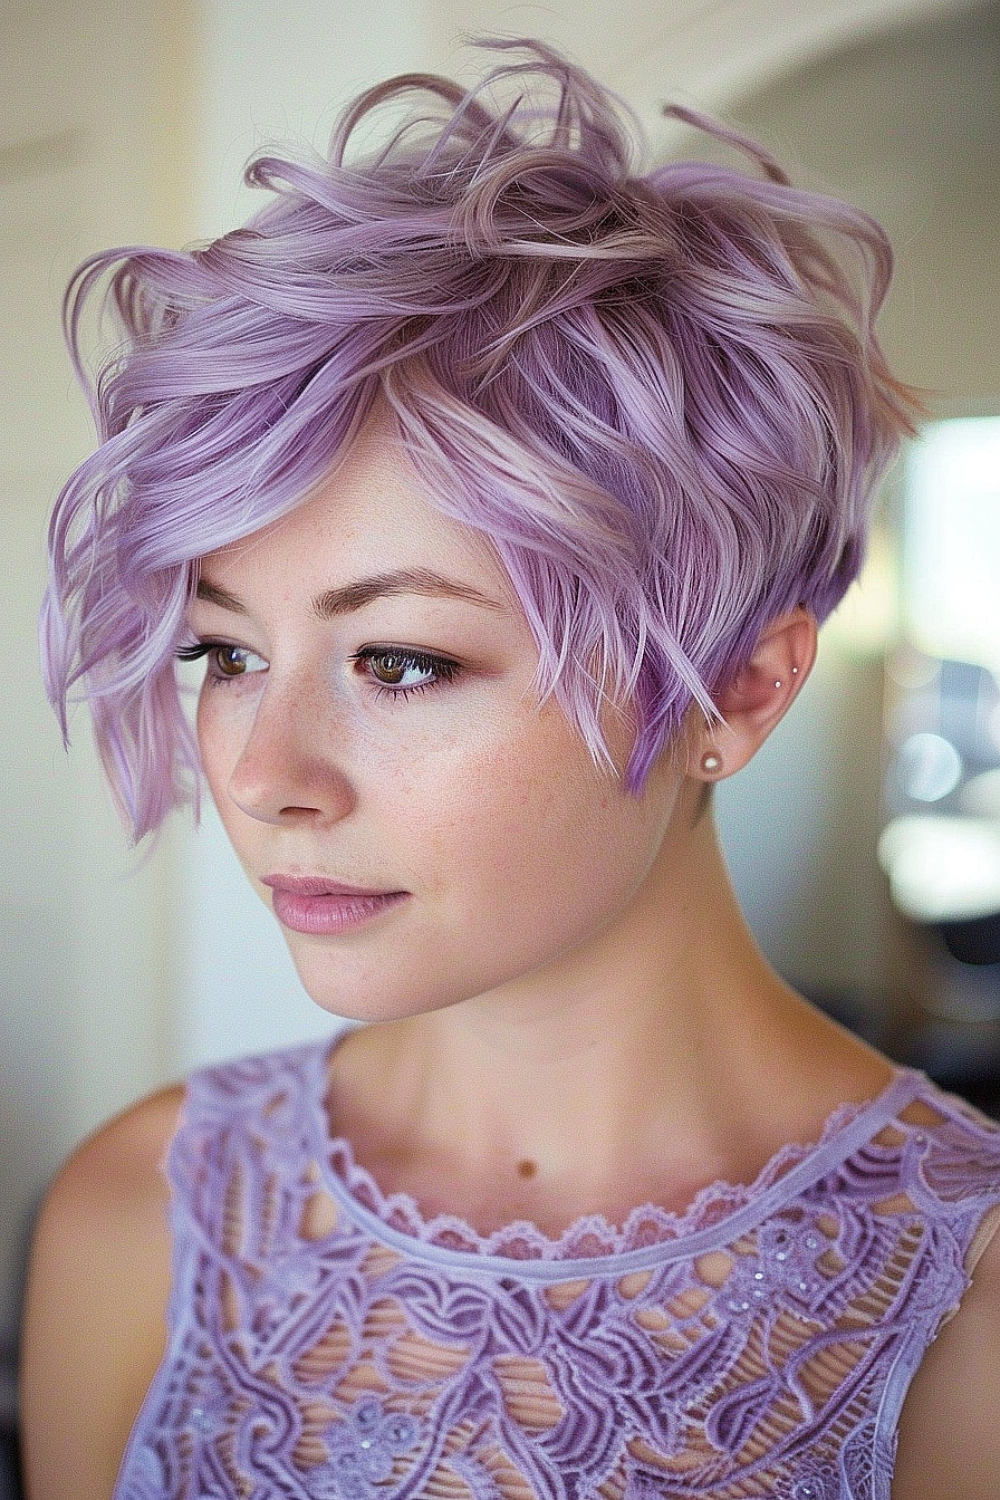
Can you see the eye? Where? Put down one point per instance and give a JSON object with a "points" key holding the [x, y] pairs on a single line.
{"points": [[225, 660], [397, 672]]}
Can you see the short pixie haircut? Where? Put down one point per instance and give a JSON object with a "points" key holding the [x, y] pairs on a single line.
{"points": [[659, 396]]}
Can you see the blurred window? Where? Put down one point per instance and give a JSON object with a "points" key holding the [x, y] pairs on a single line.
{"points": [[951, 539], [941, 848]]}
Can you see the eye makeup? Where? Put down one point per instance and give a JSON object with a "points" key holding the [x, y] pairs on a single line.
{"points": [[225, 661], [395, 663], [387, 667]]}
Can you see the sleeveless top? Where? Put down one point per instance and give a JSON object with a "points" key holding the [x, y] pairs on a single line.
{"points": [[328, 1343]]}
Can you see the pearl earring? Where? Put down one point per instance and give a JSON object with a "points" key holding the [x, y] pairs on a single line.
{"points": [[710, 761], [778, 682]]}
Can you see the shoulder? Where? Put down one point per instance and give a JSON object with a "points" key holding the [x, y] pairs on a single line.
{"points": [[113, 1183], [95, 1326], [949, 1436], [95, 1315]]}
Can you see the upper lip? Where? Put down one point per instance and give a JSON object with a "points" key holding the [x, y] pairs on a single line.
{"points": [[318, 885]]}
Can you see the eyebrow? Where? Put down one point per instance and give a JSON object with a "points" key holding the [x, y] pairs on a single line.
{"points": [[353, 596]]}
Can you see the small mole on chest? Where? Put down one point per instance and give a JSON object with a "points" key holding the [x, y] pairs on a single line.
{"points": [[527, 1168]]}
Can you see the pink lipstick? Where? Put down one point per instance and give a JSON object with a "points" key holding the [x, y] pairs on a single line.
{"points": [[314, 904]]}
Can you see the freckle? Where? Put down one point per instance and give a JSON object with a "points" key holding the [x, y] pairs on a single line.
{"points": [[527, 1168]]}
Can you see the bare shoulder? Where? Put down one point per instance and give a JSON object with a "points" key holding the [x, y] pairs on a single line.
{"points": [[949, 1436], [98, 1283]]}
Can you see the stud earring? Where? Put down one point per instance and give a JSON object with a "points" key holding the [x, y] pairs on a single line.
{"points": [[795, 671], [710, 761], [778, 682]]}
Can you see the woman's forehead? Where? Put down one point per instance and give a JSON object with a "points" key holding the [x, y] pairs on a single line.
{"points": [[372, 516]]}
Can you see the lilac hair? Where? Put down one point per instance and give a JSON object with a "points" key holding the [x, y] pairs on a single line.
{"points": [[660, 396]]}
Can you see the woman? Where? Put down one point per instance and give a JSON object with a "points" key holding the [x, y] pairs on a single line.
{"points": [[501, 491]]}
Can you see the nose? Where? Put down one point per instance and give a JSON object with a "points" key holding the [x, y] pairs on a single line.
{"points": [[288, 769]]}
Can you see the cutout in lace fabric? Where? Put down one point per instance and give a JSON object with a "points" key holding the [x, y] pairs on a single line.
{"points": [[327, 1343]]}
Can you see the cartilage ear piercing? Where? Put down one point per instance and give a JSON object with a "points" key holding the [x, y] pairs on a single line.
{"points": [[778, 682], [795, 671], [710, 761]]}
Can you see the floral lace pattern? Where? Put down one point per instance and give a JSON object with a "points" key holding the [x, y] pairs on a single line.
{"points": [[327, 1343], [362, 1452]]}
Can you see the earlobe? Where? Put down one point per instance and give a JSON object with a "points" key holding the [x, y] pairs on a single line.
{"points": [[757, 697]]}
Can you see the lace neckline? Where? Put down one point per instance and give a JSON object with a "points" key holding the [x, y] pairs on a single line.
{"points": [[592, 1245]]}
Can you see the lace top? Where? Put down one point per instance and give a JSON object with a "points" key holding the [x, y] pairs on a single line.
{"points": [[326, 1343]]}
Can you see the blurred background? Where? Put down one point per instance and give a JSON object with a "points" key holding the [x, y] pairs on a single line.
{"points": [[864, 840]]}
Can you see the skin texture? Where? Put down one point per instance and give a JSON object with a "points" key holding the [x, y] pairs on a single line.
{"points": [[569, 963]]}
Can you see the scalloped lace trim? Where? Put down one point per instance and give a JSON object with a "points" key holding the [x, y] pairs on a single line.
{"points": [[592, 1234]]}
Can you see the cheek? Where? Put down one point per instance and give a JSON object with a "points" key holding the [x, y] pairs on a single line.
{"points": [[532, 829]]}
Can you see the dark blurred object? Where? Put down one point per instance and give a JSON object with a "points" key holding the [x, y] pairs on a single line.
{"points": [[10, 1467], [959, 1054], [976, 940], [962, 1058]]}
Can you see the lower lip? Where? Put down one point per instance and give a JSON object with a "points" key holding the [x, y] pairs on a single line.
{"points": [[326, 914]]}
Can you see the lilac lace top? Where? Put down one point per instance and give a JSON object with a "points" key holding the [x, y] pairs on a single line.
{"points": [[328, 1343]]}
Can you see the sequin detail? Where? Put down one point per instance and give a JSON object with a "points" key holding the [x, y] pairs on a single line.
{"points": [[817, 1487], [363, 1451]]}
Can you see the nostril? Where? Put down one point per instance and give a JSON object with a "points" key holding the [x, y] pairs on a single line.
{"points": [[274, 756], [290, 788]]}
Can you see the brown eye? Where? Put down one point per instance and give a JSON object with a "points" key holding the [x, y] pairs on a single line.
{"points": [[229, 660], [400, 673], [234, 661], [390, 668], [224, 660]]}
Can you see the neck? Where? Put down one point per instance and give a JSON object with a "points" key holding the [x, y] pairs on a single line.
{"points": [[666, 1045]]}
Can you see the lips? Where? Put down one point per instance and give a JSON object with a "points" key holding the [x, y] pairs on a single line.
{"points": [[318, 885], [321, 907]]}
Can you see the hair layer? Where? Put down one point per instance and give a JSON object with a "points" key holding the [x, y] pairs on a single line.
{"points": [[660, 396]]}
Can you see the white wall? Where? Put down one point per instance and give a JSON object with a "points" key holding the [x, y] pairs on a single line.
{"points": [[84, 970], [270, 70]]}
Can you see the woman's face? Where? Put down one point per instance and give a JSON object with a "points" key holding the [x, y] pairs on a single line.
{"points": [[389, 739]]}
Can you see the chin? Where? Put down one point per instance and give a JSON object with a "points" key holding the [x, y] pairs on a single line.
{"points": [[369, 998]]}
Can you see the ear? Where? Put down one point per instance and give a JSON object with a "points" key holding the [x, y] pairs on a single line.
{"points": [[756, 698]]}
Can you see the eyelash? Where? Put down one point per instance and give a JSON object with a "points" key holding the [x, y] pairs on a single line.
{"points": [[421, 661], [443, 669], [209, 649]]}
